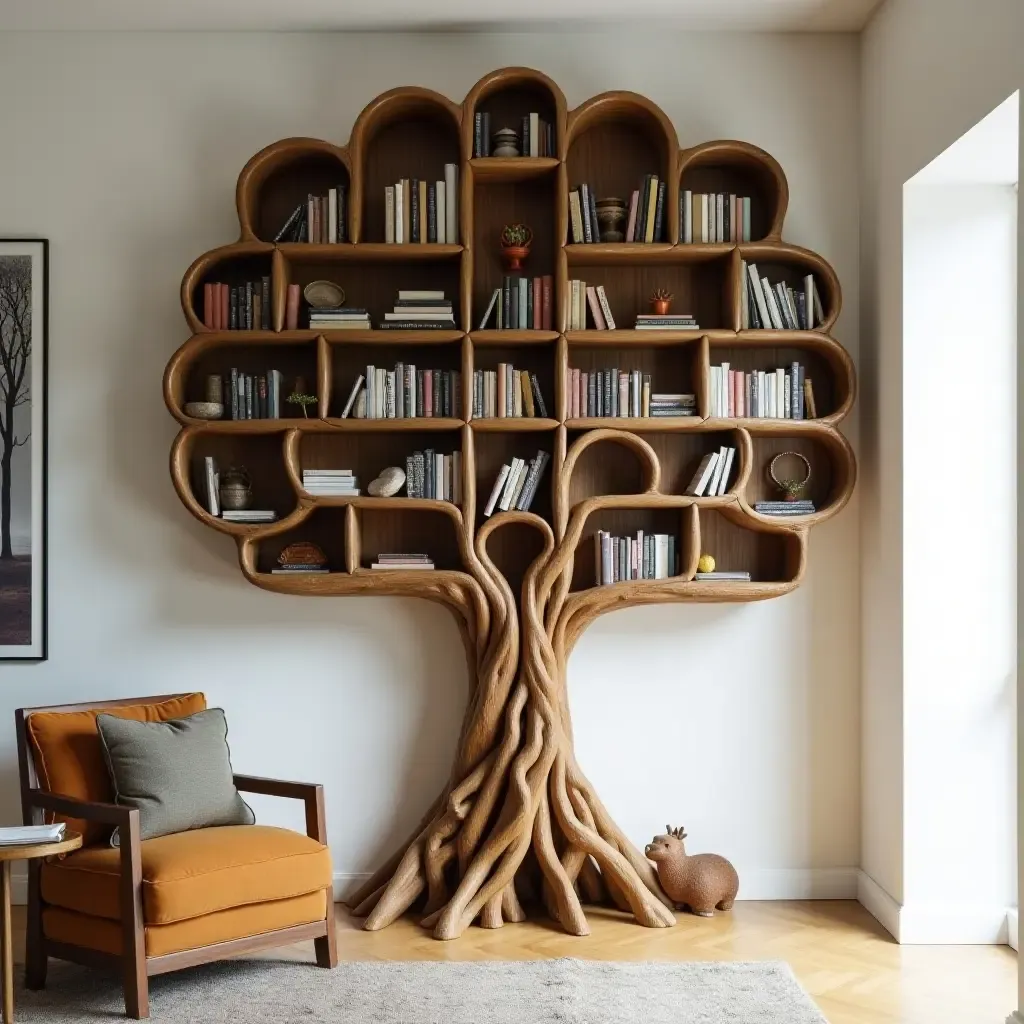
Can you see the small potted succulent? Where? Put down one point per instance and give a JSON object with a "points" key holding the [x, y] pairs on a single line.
{"points": [[661, 300], [515, 245]]}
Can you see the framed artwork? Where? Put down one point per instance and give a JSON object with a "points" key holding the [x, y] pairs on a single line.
{"points": [[23, 371]]}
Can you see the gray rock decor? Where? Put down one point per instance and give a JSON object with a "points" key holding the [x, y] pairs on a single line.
{"points": [[388, 484]]}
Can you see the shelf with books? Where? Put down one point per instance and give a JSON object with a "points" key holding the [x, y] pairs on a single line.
{"points": [[213, 291], [503, 100], [371, 285], [207, 459], [820, 360], [661, 380], [514, 383], [322, 526], [419, 398], [613, 142], [702, 285], [769, 555], [734, 169], [428, 531], [492, 451], [403, 134], [280, 178], [367, 454], [788, 265]]}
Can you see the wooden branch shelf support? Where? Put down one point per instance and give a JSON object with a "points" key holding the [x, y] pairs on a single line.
{"points": [[518, 824]]}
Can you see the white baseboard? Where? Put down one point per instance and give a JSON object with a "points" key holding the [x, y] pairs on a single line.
{"points": [[934, 924], [346, 882], [1011, 927], [879, 904]]}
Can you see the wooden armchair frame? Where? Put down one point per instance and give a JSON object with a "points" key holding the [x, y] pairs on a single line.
{"points": [[136, 968]]}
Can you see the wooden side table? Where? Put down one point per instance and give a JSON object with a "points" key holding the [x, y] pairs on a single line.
{"points": [[9, 854]]}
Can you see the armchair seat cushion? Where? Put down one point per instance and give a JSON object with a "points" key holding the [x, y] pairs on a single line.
{"points": [[191, 874]]}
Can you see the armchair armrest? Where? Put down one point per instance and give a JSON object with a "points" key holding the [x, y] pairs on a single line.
{"points": [[104, 814], [310, 793]]}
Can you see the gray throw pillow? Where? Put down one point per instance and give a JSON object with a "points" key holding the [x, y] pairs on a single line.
{"points": [[177, 773]]}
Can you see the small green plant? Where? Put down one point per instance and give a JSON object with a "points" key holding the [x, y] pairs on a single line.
{"points": [[297, 398], [516, 235]]}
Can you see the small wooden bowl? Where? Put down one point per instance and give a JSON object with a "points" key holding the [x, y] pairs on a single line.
{"points": [[324, 294]]}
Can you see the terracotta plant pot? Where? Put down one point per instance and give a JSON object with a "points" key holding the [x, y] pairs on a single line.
{"points": [[513, 255], [660, 307]]}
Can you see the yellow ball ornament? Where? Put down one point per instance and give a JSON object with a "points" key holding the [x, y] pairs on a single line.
{"points": [[706, 564]]}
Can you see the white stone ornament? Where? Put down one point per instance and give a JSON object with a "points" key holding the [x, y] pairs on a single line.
{"points": [[388, 484]]}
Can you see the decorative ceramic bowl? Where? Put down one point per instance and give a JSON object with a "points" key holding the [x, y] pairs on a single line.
{"points": [[204, 410], [505, 142], [611, 219], [324, 294]]}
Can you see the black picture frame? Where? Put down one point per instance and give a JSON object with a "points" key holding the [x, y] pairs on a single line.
{"points": [[24, 455]]}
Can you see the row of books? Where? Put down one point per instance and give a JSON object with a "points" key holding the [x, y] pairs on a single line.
{"points": [[783, 394], [252, 396], [583, 296], [621, 393], [237, 307], [719, 217], [645, 216], [430, 474], [712, 476], [779, 307], [419, 309], [330, 483], [404, 561], [406, 392], [320, 219], [507, 392], [516, 484], [521, 303], [538, 135], [647, 556], [417, 211]]}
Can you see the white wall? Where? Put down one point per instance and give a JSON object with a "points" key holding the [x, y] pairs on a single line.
{"points": [[930, 70], [959, 596], [123, 150]]}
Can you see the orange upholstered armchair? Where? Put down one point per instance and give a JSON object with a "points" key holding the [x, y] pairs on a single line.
{"points": [[169, 902]]}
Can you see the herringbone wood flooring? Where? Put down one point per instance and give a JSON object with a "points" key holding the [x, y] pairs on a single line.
{"points": [[842, 956]]}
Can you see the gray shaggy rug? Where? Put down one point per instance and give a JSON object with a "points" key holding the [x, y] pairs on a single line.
{"points": [[403, 992]]}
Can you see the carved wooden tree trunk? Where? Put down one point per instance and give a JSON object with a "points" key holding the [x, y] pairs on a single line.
{"points": [[518, 817]]}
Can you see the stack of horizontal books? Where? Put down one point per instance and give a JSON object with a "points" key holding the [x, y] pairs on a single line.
{"points": [[785, 508], [330, 483], [339, 319], [419, 310], [403, 561], [249, 515], [665, 322], [723, 577]]}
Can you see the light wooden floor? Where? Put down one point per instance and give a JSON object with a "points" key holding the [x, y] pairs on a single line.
{"points": [[842, 956]]}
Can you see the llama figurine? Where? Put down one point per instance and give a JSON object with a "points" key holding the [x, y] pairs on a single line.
{"points": [[701, 884]]}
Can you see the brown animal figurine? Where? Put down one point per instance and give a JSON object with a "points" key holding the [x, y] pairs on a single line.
{"points": [[701, 884]]}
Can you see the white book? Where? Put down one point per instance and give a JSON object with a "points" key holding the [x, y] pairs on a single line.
{"points": [[723, 484], [371, 379], [702, 477], [359, 412], [489, 310], [720, 218], [332, 215], [705, 217], [496, 491], [414, 294], [27, 835], [762, 394], [212, 487], [451, 228], [442, 225], [774, 314], [275, 381], [688, 216], [660, 556], [520, 484], [755, 284], [399, 218], [506, 498], [438, 476], [787, 408], [606, 309], [745, 298], [723, 390], [780, 393], [534, 134], [389, 214], [716, 476], [352, 397]]}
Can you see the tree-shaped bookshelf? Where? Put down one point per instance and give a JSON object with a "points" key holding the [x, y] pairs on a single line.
{"points": [[518, 821]]}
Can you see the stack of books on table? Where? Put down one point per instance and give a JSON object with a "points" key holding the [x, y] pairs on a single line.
{"points": [[665, 322], [712, 476], [419, 310], [402, 561], [723, 577], [516, 484], [785, 508], [340, 319], [29, 835], [330, 483], [249, 515], [647, 556]]}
